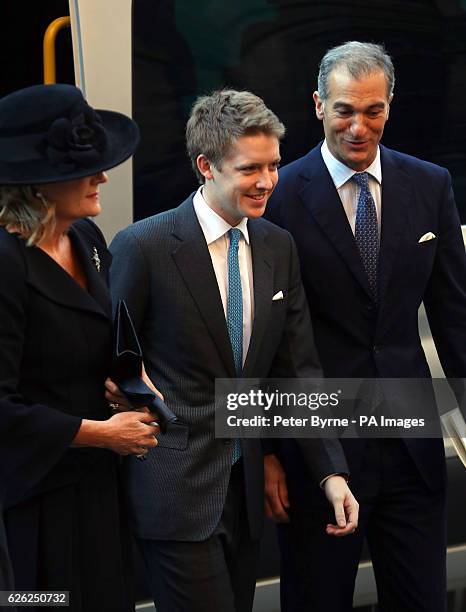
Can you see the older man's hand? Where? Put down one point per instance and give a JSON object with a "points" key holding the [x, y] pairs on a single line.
{"points": [[345, 506]]}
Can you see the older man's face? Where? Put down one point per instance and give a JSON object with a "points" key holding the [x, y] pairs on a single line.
{"points": [[354, 116]]}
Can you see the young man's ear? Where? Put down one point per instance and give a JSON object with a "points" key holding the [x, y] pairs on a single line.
{"points": [[319, 105], [204, 166]]}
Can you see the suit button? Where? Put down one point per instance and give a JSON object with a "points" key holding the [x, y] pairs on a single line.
{"points": [[369, 311], [375, 349], [228, 442]]}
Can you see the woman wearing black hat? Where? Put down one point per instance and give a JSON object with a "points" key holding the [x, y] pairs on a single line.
{"points": [[67, 531]]}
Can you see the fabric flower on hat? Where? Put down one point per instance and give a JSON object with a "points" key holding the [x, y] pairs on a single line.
{"points": [[76, 142]]}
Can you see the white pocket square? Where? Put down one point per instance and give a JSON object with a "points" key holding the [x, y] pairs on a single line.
{"points": [[278, 296], [426, 237]]}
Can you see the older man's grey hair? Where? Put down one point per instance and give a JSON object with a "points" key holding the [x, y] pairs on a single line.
{"points": [[360, 59], [219, 119]]}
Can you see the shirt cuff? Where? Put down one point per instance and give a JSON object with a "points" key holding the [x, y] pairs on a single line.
{"points": [[324, 480]]}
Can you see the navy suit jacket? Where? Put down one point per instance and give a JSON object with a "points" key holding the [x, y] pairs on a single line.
{"points": [[162, 268], [354, 336]]}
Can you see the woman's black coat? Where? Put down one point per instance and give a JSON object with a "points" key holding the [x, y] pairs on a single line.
{"points": [[62, 504]]}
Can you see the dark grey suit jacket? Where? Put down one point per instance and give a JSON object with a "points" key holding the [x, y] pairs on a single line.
{"points": [[162, 268]]}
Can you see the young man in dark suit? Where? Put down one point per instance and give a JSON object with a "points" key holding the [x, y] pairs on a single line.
{"points": [[215, 292], [377, 233]]}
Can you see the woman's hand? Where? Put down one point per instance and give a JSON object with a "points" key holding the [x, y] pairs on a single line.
{"points": [[149, 383], [131, 433], [116, 400], [126, 433], [115, 397]]}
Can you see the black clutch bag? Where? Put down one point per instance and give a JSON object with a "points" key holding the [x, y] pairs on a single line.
{"points": [[127, 369]]}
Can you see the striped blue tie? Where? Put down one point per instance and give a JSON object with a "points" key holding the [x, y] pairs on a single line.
{"points": [[235, 315], [366, 231]]}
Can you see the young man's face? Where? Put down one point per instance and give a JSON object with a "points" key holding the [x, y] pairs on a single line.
{"points": [[246, 179], [354, 116]]}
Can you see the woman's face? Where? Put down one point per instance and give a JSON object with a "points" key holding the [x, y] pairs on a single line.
{"points": [[74, 199]]}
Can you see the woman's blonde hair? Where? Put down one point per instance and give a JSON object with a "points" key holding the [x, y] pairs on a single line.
{"points": [[24, 210]]}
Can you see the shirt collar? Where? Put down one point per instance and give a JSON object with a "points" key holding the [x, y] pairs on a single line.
{"points": [[212, 224], [341, 174]]}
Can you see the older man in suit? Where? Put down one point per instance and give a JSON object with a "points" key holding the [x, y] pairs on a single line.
{"points": [[200, 282], [377, 233]]}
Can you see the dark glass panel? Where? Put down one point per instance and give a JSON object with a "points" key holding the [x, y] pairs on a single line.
{"points": [[23, 26], [183, 49]]}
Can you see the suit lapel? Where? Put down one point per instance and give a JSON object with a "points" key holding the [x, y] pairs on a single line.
{"points": [[396, 190], [262, 265], [320, 197], [194, 263], [49, 279]]}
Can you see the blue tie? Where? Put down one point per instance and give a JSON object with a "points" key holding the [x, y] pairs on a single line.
{"points": [[235, 315], [366, 231]]}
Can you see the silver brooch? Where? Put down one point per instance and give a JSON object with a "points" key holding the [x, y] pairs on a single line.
{"points": [[95, 258]]}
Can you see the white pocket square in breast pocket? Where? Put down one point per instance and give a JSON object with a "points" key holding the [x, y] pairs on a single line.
{"points": [[426, 237], [278, 296]]}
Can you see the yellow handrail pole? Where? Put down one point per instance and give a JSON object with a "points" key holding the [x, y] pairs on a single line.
{"points": [[50, 75]]}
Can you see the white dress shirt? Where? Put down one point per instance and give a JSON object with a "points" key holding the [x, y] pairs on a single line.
{"points": [[215, 230], [348, 190]]}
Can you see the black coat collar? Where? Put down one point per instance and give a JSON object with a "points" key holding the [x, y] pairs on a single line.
{"points": [[49, 278]]}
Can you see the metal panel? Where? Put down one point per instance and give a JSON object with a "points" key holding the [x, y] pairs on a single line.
{"points": [[101, 33]]}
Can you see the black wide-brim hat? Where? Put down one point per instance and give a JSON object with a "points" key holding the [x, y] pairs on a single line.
{"points": [[48, 133]]}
